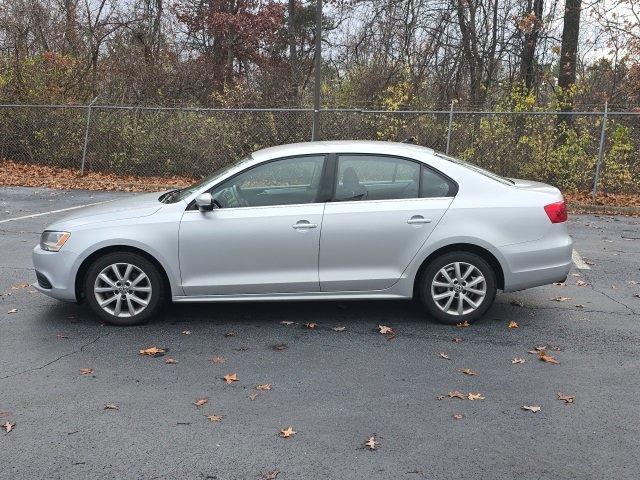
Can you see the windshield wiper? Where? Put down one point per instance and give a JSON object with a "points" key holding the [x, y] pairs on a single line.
{"points": [[165, 197]]}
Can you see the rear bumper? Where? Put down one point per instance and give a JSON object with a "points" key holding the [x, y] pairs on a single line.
{"points": [[55, 272], [542, 262]]}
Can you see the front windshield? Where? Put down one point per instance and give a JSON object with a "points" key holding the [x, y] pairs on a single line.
{"points": [[177, 195], [476, 168]]}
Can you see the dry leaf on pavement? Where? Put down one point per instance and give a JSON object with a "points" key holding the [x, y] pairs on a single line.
{"points": [[475, 396], [111, 406], [371, 443], [457, 394], [264, 386], [517, 303], [339, 328], [560, 299], [287, 432], [456, 340], [230, 333], [513, 324], [458, 416], [464, 324], [153, 351], [566, 398], [444, 355], [384, 330], [531, 408], [286, 322], [170, 361], [8, 426], [218, 359], [86, 371], [272, 475], [517, 360], [186, 332], [13, 310], [214, 418], [467, 371], [280, 347], [311, 325], [230, 378], [253, 396], [547, 357], [201, 401]]}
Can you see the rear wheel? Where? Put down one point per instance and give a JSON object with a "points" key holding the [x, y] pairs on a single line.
{"points": [[124, 288], [458, 287]]}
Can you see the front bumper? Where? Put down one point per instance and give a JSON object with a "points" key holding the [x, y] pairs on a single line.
{"points": [[58, 268]]}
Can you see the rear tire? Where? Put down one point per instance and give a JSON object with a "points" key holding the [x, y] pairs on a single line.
{"points": [[457, 287], [124, 288]]}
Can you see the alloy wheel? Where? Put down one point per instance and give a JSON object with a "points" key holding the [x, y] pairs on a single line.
{"points": [[122, 290], [458, 288]]}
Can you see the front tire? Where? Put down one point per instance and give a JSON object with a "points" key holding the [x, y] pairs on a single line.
{"points": [[124, 288], [457, 287]]}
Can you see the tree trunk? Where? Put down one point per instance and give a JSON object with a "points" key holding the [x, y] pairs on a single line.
{"points": [[532, 26], [291, 33], [568, 56]]}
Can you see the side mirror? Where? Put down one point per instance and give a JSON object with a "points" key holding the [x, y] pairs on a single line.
{"points": [[206, 203]]}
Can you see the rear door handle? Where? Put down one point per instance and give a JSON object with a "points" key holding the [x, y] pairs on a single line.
{"points": [[304, 224], [417, 219]]}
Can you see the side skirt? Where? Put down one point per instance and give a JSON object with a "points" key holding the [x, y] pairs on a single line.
{"points": [[292, 296]]}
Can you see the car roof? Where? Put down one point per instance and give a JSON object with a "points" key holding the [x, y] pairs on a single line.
{"points": [[342, 146]]}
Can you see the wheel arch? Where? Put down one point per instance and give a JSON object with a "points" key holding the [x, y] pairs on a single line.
{"points": [[86, 263], [489, 257]]}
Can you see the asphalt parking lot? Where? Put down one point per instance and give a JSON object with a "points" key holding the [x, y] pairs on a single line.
{"points": [[335, 388]]}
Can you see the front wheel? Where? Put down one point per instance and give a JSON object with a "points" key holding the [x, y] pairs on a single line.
{"points": [[458, 287], [123, 288]]}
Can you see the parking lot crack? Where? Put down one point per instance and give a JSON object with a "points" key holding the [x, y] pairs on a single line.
{"points": [[633, 312], [74, 352]]}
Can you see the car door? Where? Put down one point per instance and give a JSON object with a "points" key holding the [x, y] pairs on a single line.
{"points": [[264, 238], [383, 210]]}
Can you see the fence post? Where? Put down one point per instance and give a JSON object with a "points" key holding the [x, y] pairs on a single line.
{"points": [[86, 135], [600, 150], [449, 129]]}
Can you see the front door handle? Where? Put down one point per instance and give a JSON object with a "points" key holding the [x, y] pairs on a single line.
{"points": [[417, 219], [304, 224]]}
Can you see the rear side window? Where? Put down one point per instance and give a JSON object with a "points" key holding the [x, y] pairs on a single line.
{"points": [[433, 184], [373, 177]]}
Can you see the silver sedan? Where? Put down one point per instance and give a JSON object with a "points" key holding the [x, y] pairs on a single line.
{"points": [[313, 221]]}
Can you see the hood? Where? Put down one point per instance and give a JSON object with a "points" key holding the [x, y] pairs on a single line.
{"points": [[130, 207]]}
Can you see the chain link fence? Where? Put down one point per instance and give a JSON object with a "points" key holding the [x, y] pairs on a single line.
{"points": [[566, 151]]}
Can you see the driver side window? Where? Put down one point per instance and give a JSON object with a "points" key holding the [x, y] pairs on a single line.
{"points": [[290, 181]]}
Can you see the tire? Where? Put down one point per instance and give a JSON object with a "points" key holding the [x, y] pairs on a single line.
{"points": [[435, 296], [145, 286]]}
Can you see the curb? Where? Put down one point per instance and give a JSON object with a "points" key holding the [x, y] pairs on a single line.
{"points": [[577, 208]]}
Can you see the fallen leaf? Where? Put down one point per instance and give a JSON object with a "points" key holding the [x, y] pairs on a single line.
{"points": [[339, 328], [467, 371], [86, 371], [457, 394], [456, 340], [286, 322], [218, 359], [371, 443], [8, 426], [537, 350], [566, 398], [170, 361], [13, 310], [582, 283], [280, 347], [241, 349], [201, 401], [560, 299], [311, 325], [153, 351], [475, 396], [444, 355], [230, 378], [531, 408], [439, 397], [637, 295], [230, 333], [384, 330], [264, 386], [214, 418], [464, 324], [579, 306], [60, 336], [253, 396], [517, 303], [287, 432], [547, 357], [272, 475], [186, 332], [458, 416], [111, 406], [513, 324], [18, 286], [517, 360]]}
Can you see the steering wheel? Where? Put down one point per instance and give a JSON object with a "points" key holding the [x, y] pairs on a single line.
{"points": [[237, 193]]}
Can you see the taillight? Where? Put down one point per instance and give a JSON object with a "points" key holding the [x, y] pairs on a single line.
{"points": [[557, 212]]}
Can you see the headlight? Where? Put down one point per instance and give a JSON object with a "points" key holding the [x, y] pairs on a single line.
{"points": [[53, 241]]}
